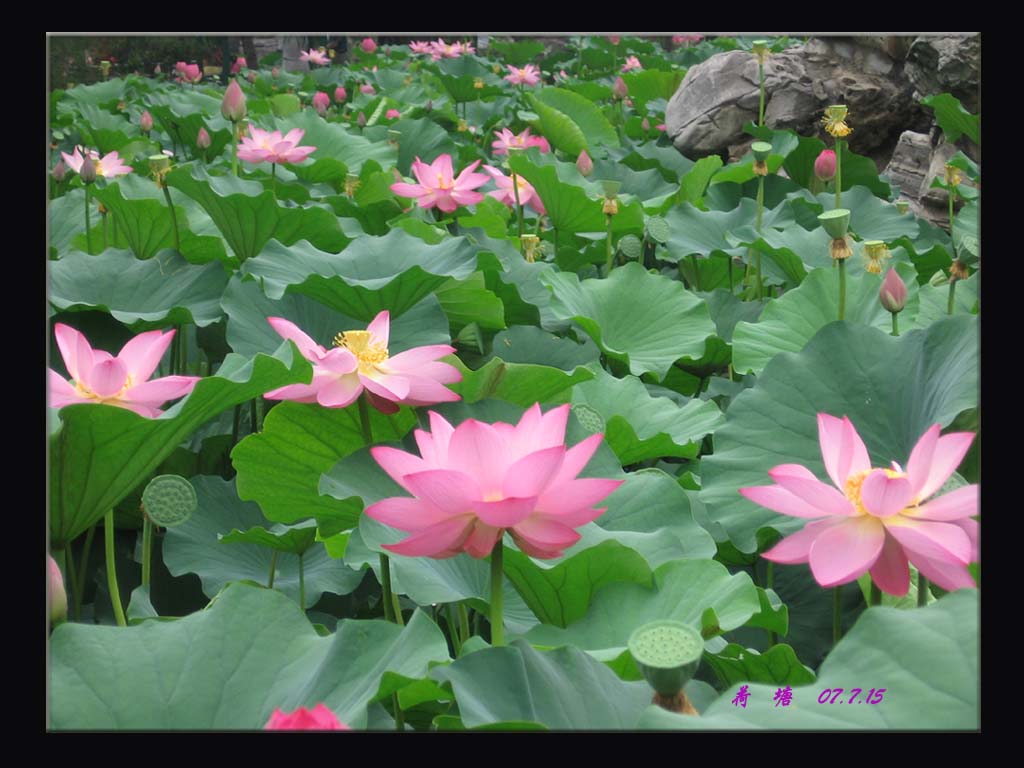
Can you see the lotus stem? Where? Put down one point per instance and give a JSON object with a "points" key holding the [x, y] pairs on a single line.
{"points": [[895, 324], [952, 295], [115, 593], [760, 107], [273, 570], [497, 626], [839, 173], [842, 288], [83, 568], [273, 180], [696, 272], [147, 548], [769, 581], [88, 226], [302, 584], [454, 629], [922, 590], [757, 225], [608, 268], [174, 218], [837, 616], [69, 568], [463, 622], [519, 207], [234, 149], [399, 717], [876, 595], [103, 220]]}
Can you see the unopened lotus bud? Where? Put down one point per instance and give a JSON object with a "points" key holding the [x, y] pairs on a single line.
{"points": [[893, 293], [146, 122], [953, 175], [275, 72], [88, 169], [361, 120], [367, 89], [875, 252], [392, 114], [645, 125], [584, 164], [250, 76], [233, 104], [368, 45], [58, 597], [825, 165], [321, 101], [902, 206], [340, 94], [203, 139], [60, 171], [620, 90]]}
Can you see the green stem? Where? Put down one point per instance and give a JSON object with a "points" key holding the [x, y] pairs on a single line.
{"points": [[103, 220], [183, 361], [273, 180], [115, 593], [385, 585], [399, 717], [837, 616], [730, 273], [895, 324], [696, 272], [463, 622], [952, 296], [760, 108], [83, 568], [234, 148], [608, 268], [519, 207], [302, 583], [842, 288], [922, 590], [453, 629], [364, 420], [113, 229], [757, 224], [497, 626], [147, 548], [236, 425], [71, 581], [876, 593], [769, 581], [839, 173], [258, 421], [174, 218], [88, 226], [273, 570]]}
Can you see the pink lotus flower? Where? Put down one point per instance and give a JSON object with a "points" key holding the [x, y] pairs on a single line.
{"points": [[893, 293], [632, 62], [825, 165], [340, 94], [508, 140], [269, 147], [110, 166], [679, 39], [321, 101], [441, 49], [391, 114], [645, 125], [505, 192], [473, 482], [59, 171], [188, 73], [614, 39], [146, 121], [367, 89], [528, 75], [421, 46], [660, 127], [203, 139], [879, 517], [368, 45], [58, 597], [620, 90], [360, 360], [437, 187], [232, 106], [319, 718], [237, 66], [123, 380], [314, 57]]}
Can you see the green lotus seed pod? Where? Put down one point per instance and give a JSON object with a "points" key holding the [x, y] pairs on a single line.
{"points": [[667, 653], [169, 500], [589, 419], [610, 188], [761, 150], [836, 222]]}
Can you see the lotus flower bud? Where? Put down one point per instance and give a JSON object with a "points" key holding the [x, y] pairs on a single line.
{"points": [[893, 293], [237, 66], [274, 72], [368, 45], [321, 101], [88, 169], [158, 70], [825, 165], [203, 139], [391, 114], [584, 164], [233, 105], [645, 125], [367, 89], [340, 94], [58, 597], [319, 718], [250, 76], [146, 122], [619, 90], [614, 39], [361, 120], [60, 171]]}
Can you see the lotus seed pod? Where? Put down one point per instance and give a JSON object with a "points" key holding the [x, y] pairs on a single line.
{"points": [[836, 222], [667, 654]]}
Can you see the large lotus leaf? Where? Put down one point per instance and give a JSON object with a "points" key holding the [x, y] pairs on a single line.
{"points": [[871, 218], [248, 331], [646, 320], [196, 547], [392, 272], [521, 383], [248, 216], [143, 295], [790, 321], [280, 467], [529, 344], [646, 185], [582, 111], [66, 219], [560, 129], [105, 131], [694, 231], [701, 593], [857, 170], [560, 689], [672, 165], [97, 93], [652, 84], [639, 427], [926, 660], [145, 224], [954, 120], [935, 300], [422, 138], [102, 452], [965, 233], [333, 141], [891, 388], [468, 301], [229, 666], [569, 207], [515, 281]]}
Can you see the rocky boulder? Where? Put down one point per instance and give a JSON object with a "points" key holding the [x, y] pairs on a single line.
{"points": [[946, 64]]}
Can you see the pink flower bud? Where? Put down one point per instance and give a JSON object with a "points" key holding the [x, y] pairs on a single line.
{"points": [[321, 101], [233, 104], [619, 90], [88, 169], [825, 165], [60, 171], [146, 121], [391, 114], [367, 89], [157, 69], [203, 139], [237, 66], [368, 45], [274, 72], [361, 120], [58, 597], [250, 76], [893, 293], [645, 125], [340, 94], [584, 164], [319, 718], [614, 39]]}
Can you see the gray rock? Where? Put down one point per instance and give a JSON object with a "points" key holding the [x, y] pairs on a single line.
{"points": [[707, 113], [910, 162], [946, 64]]}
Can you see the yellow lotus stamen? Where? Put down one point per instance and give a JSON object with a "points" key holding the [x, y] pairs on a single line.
{"points": [[854, 483], [368, 354], [84, 391], [875, 253]]}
